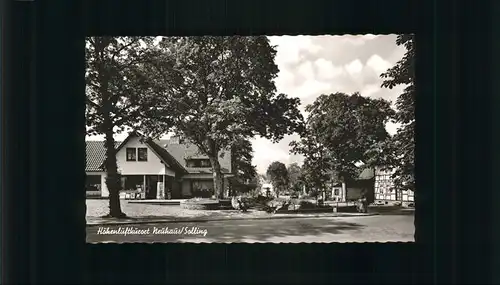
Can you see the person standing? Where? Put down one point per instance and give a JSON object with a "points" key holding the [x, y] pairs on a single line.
{"points": [[363, 202]]}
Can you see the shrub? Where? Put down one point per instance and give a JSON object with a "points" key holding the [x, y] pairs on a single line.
{"points": [[307, 205], [277, 204], [252, 193], [257, 201], [263, 199], [312, 195]]}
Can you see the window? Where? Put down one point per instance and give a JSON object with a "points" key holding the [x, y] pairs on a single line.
{"points": [[202, 188], [205, 163], [190, 163], [132, 182], [142, 154], [93, 179], [131, 154], [336, 192], [93, 182], [198, 163]]}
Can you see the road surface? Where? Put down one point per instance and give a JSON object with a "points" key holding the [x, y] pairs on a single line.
{"points": [[381, 228]]}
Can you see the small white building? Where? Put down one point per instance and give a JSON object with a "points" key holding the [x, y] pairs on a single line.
{"points": [[267, 189], [339, 192]]}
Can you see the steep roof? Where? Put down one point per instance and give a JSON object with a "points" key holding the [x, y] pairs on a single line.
{"points": [[95, 155], [367, 173], [184, 151], [166, 157]]}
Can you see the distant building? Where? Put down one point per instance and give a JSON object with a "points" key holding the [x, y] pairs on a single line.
{"points": [[265, 186], [385, 189], [353, 190], [377, 184], [267, 189]]}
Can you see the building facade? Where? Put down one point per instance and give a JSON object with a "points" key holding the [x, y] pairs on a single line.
{"points": [[385, 189], [362, 186], [161, 169]]}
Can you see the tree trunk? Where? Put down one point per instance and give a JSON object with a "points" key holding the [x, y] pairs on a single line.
{"points": [[231, 190], [113, 181], [217, 174]]}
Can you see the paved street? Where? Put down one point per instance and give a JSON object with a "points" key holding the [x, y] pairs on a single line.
{"points": [[381, 228]]}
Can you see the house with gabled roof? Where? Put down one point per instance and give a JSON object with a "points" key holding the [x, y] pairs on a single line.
{"points": [[385, 189], [155, 169]]}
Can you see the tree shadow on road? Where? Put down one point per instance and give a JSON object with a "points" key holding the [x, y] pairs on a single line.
{"points": [[103, 221], [397, 212], [297, 230], [291, 230], [198, 215]]}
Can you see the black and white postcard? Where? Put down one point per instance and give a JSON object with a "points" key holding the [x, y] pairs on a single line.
{"points": [[253, 139]]}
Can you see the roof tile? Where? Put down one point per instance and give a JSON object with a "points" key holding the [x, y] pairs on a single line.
{"points": [[96, 153]]}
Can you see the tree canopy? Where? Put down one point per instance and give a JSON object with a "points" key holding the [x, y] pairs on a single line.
{"points": [[315, 171], [216, 91], [278, 174], [403, 142], [115, 85], [341, 131], [114, 81], [241, 160], [241, 166], [295, 176]]}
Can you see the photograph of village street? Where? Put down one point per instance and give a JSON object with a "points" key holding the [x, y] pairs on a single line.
{"points": [[250, 139]]}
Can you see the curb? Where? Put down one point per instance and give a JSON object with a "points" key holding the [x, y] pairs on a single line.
{"points": [[195, 220]]}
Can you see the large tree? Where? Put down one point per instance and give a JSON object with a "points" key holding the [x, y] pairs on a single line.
{"points": [[227, 94], [341, 132], [278, 174], [241, 162], [316, 169], [295, 177], [403, 142], [113, 90]]}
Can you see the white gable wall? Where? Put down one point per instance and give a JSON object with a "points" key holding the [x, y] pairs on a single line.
{"points": [[104, 187], [153, 166]]}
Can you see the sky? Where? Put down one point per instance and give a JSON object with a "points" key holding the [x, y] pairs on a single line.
{"points": [[313, 65]]}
